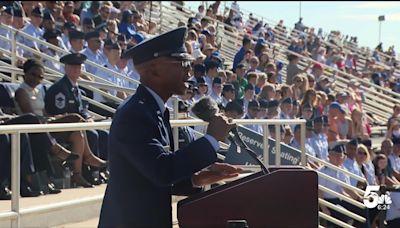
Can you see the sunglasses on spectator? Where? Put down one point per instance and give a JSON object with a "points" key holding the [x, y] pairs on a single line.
{"points": [[184, 63]]}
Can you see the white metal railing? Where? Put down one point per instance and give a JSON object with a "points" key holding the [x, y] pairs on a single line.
{"points": [[16, 130], [60, 50]]}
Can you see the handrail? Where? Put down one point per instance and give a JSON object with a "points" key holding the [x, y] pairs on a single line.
{"points": [[339, 77], [352, 175], [81, 81], [339, 182], [96, 103], [313, 61], [334, 220], [66, 52], [56, 72], [341, 210], [343, 197]]}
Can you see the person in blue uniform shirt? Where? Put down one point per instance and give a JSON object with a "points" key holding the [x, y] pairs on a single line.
{"points": [[228, 94], [336, 157], [34, 30], [252, 112], [350, 162], [64, 96], [144, 172], [51, 36], [6, 19], [320, 142], [93, 51]]}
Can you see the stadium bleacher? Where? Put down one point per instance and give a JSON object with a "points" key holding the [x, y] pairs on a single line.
{"points": [[376, 96]]}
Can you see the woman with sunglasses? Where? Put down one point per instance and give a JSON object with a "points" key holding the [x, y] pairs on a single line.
{"points": [[29, 99]]}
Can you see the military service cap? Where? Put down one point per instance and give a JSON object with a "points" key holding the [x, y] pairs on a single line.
{"points": [[37, 12], [76, 35], [169, 44], [51, 34]]}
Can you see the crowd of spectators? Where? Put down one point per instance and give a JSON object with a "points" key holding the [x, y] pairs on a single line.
{"points": [[102, 31], [253, 88]]}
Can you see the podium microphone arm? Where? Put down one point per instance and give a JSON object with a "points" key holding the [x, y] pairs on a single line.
{"points": [[239, 142]]}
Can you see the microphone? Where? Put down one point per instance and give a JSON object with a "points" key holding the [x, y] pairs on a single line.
{"points": [[205, 109]]}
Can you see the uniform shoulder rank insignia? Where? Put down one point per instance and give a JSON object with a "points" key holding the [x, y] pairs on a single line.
{"points": [[141, 102], [60, 100]]}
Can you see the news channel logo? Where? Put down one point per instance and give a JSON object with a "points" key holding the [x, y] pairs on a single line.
{"points": [[375, 198]]}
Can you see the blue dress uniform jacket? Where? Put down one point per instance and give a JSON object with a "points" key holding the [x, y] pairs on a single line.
{"points": [[143, 173], [62, 98]]}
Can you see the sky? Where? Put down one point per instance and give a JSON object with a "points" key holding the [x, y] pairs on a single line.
{"points": [[353, 18]]}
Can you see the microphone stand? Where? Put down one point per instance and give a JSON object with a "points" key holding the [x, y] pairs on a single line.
{"points": [[238, 142]]}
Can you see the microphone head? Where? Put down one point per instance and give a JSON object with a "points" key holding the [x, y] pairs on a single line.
{"points": [[205, 108]]}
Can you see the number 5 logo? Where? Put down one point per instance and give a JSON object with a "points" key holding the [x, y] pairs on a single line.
{"points": [[371, 197]]}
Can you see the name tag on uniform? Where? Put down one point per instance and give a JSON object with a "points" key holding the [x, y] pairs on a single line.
{"points": [[71, 101]]}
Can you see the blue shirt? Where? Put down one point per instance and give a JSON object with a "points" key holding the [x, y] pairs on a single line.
{"points": [[320, 145], [125, 27], [7, 34], [214, 143], [238, 57], [94, 57], [352, 166], [331, 185], [33, 31]]}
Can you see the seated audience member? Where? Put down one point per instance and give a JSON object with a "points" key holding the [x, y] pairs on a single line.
{"points": [[336, 157], [286, 107], [64, 96], [202, 89], [228, 94], [252, 112], [320, 138], [216, 90], [29, 99], [233, 110]]}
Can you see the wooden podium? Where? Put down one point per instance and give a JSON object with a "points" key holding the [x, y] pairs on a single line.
{"points": [[286, 197]]}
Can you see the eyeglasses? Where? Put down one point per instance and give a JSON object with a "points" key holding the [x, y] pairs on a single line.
{"points": [[184, 63]]}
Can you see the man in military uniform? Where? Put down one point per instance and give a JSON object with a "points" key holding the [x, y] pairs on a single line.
{"points": [[320, 142], [336, 157], [228, 94], [76, 41], [51, 36], [34, 30], [144, 171], [64, 96], [6, 19], [93, 51]]}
